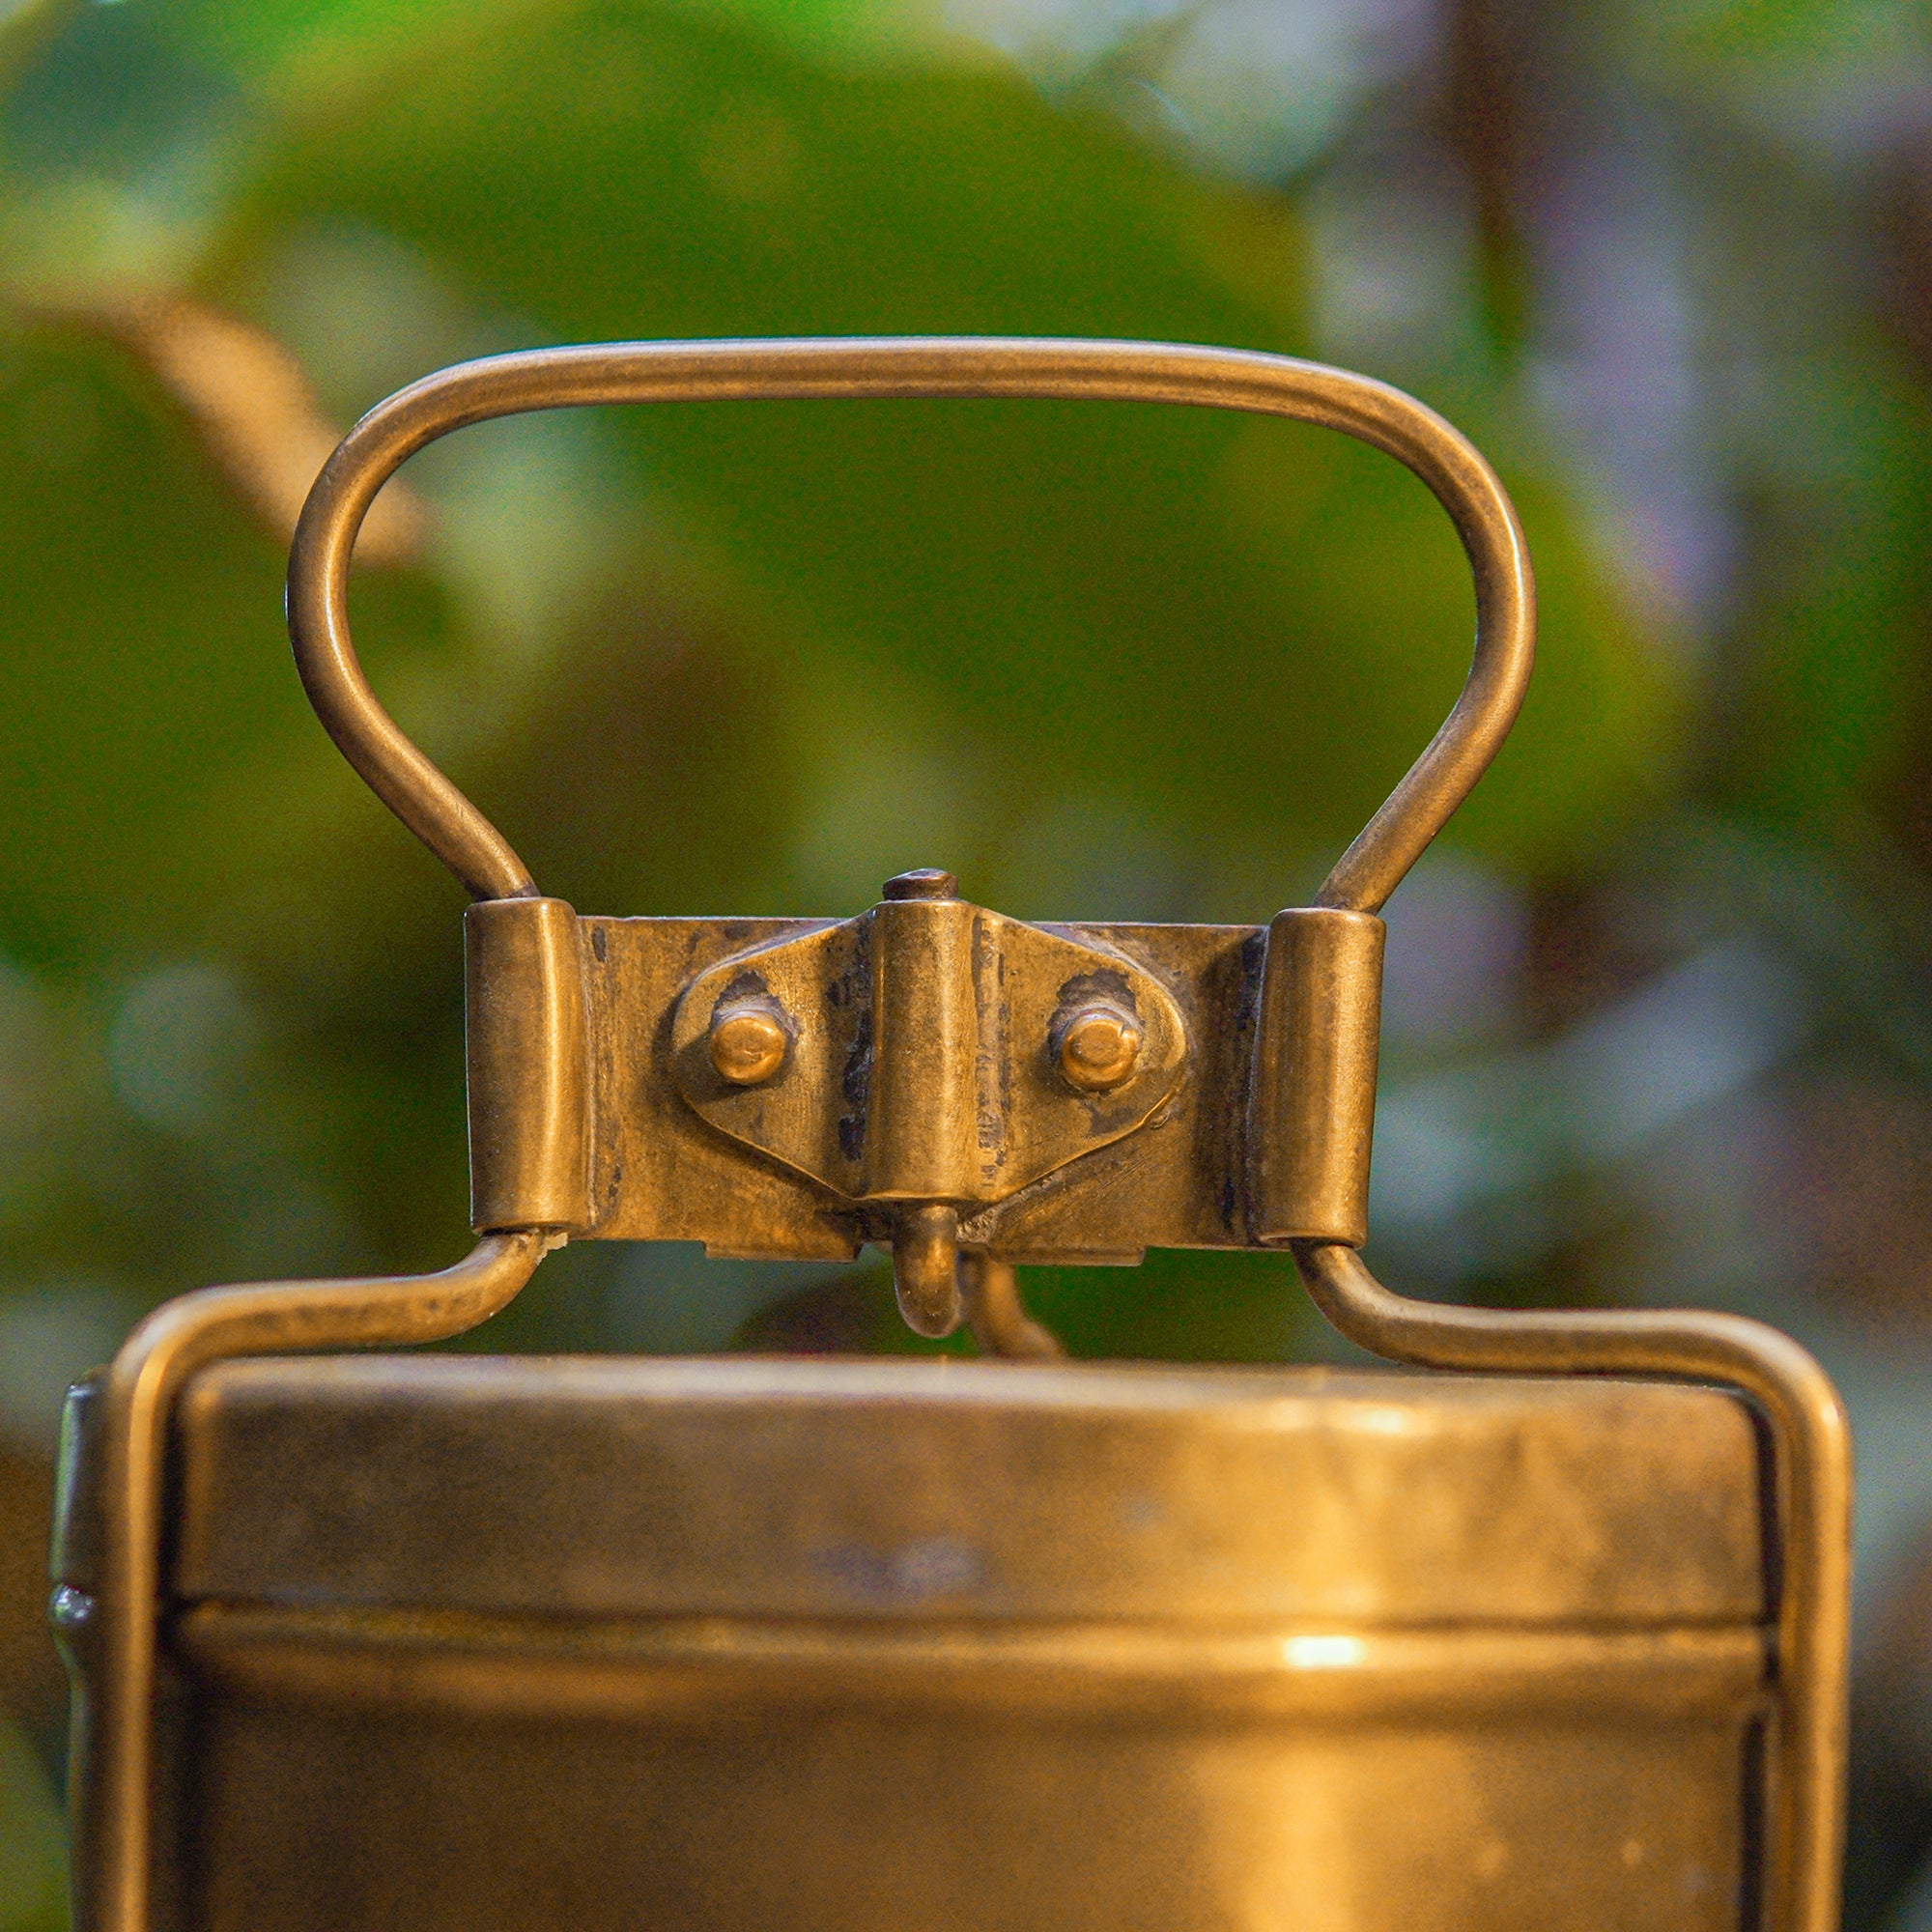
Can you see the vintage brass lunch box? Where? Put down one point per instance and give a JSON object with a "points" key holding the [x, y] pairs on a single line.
{"points": [[1555, 1641]]}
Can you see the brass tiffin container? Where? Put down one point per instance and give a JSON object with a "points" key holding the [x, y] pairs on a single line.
{"points": [[1556, 1640], [736, 1644]]}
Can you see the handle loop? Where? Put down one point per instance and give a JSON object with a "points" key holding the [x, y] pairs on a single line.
{"points": [[411, 787]]}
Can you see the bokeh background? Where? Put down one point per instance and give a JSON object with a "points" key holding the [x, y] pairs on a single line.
{"points": [[1660, 1016]]}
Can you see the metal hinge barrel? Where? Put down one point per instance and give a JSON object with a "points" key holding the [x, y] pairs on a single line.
{"points": [[528, 1048], [1312, 1108]]}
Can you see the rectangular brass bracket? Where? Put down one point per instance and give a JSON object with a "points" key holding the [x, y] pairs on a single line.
{"points": [[922, 1062]]}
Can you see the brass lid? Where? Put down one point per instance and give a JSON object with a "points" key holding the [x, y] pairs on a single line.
{"points": [[618, 1486]]}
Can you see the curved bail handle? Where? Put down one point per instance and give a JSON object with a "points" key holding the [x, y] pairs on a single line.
{"points": [[411, 787]]}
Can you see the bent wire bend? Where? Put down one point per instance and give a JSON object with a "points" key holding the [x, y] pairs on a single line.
{"points": [[137, 1398], [1812, 1468], [908, 366]]}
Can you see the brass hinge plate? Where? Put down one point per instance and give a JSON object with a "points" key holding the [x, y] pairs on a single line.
{"points": [[788, 1171], [965, 1089], [920, 1052], [794, 1089]]}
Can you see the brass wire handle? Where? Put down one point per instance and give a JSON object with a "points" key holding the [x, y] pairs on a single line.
{"points": [[1808, 1560], [917, 367]]}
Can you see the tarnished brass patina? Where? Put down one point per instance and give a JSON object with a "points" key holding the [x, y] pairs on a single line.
{"points": [[943, 1645]]}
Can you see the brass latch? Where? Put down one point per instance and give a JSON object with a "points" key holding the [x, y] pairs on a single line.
{"points": [[927, 1076], [934, 1076]]}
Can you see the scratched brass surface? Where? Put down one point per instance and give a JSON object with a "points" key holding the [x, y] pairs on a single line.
{"points": [[663, 1168], [925, 1054], [853, 1645], [603, 1486], [1695, 1779]]}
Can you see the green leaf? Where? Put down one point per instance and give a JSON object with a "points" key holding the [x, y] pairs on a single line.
{"points": [[1075, 586]]}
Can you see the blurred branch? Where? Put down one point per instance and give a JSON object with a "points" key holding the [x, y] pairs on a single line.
{"points": [[24, 28], [1485, 111], [250, 403]]}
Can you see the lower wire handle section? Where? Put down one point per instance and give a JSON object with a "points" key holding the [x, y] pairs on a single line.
{"points": [[1812, 1470], [113, 1831]]}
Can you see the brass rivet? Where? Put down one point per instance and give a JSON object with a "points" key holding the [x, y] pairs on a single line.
{"points": [[748, 1044], [927, 883], [1099, 1047]]}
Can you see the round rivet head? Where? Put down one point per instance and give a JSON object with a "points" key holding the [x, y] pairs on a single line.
{"points": [[1098, 1046], [748, 1044], [925, 884]]}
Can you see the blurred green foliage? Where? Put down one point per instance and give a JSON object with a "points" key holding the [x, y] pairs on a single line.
{"points": [[1098, 659], [33, 1876]]}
